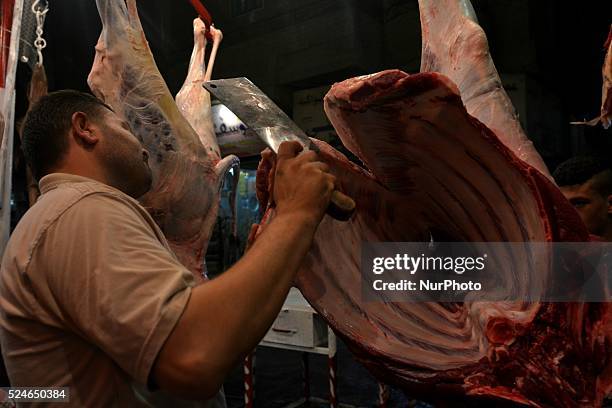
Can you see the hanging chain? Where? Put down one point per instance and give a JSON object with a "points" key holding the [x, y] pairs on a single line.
{"points": [[40, 11]]}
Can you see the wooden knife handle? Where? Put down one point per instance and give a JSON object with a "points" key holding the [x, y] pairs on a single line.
{"points": [[341, 207]]}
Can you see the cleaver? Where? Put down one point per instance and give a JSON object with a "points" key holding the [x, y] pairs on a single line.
{"points": [[272, 125]]}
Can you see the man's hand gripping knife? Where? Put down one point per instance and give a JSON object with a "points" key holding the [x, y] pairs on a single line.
{"points": [[228, 316]]}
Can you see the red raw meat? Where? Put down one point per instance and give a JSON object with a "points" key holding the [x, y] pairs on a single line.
{"points": [[6, 24], [437, 171], [456, 46], [447, 159], [605, 116], [606, 93]]}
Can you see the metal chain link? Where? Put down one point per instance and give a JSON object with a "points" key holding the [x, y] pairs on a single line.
{"points": [[40, 11]]}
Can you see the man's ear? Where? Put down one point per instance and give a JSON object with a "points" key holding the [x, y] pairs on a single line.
{"points": [[610, 204], [84, 129]]}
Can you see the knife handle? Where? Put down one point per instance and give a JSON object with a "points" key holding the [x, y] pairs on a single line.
{"points": [[341, 207]]}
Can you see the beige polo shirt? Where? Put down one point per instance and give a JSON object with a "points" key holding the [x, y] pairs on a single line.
{"points": [[89, 292]]}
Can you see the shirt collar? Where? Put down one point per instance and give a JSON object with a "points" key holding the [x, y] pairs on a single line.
{"points": [[54, 180]]}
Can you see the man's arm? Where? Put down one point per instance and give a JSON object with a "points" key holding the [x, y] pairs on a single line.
{"points": [[226, 318]]}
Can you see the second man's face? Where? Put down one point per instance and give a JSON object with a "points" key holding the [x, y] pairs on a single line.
{"points": [[592, 206]]}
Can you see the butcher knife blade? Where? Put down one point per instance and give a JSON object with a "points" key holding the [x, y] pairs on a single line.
{"points": [[272, 125]]}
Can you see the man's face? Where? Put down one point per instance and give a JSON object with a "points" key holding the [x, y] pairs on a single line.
{"points": [[592, 206], [123, 156]]}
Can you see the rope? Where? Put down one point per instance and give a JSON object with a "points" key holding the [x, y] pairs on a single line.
{"points": [[40, 12]]}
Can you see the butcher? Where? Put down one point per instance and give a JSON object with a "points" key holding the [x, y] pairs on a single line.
{"points": [[587, 183], [91, 296]]}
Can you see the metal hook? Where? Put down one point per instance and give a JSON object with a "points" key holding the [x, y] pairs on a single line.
{"points": [[40, 43]]}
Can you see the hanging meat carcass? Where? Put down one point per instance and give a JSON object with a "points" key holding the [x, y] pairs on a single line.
{"points": [[456, 46], [6, 21], [193, 100], [194, 103], [446, 158], [606, 97], [187, 175], [37, 89], [605, 116]]}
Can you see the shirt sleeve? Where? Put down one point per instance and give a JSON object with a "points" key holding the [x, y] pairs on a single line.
{"points": [[102, 270]]}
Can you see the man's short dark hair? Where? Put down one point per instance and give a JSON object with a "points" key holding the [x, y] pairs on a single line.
{"points": [[578, 170], [45, 131]]}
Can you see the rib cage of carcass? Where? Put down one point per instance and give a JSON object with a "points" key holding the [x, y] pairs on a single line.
{"points": [[446, 157], [184, 155]]}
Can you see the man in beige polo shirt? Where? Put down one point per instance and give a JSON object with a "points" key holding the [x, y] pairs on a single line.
{"points": [[91, 296]]}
